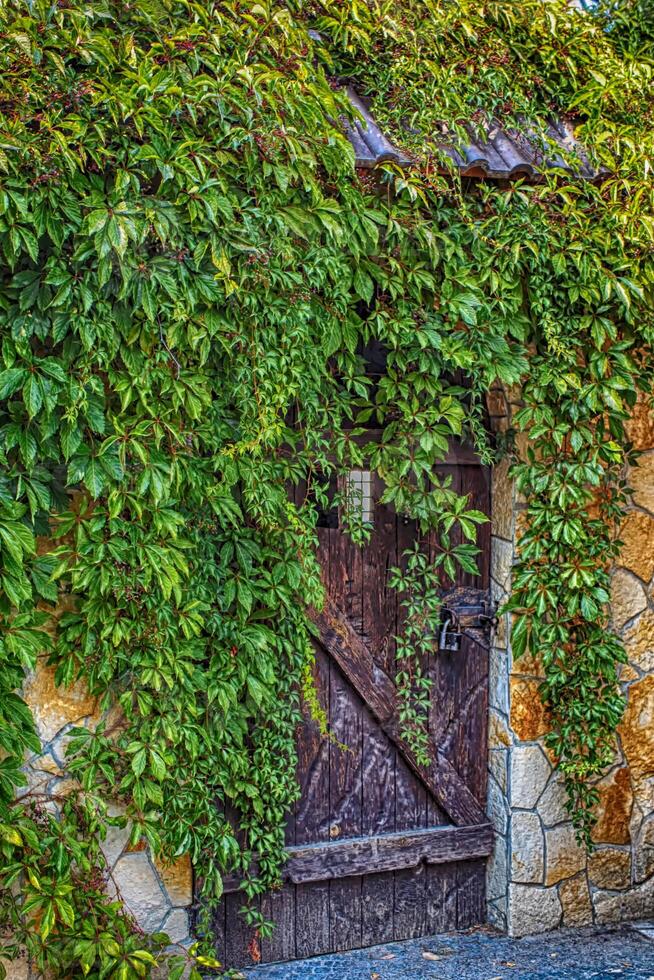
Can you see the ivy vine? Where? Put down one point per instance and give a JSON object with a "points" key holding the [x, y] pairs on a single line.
{"points": [[191, 269]]}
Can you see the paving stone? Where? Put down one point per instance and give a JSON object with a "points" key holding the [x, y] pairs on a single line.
{"points": [[583, 954]]}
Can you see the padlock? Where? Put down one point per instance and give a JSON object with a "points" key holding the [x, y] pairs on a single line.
{"points": [[450, 639]]}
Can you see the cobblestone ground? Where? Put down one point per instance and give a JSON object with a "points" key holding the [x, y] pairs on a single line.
{"points": [[581, 954]]}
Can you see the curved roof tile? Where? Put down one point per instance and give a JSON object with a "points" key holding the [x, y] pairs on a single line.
{"points": [[502, 155]]}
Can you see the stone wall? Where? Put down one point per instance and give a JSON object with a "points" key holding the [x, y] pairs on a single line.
{"points": [[157, 896], [538, 877]]}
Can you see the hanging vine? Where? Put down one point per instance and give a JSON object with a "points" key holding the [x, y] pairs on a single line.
{"points": [[191, 267]]}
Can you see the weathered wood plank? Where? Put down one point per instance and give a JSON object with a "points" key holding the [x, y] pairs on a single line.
{"points": [[312, 919], [387, 852], [240, 938], [351, 654], [383, 852], [279, 908], [409, 914], [441, 898], [470, 894], [378, 691]]}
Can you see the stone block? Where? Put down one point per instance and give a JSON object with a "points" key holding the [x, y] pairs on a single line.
{"points": [[644, 850], [532, 909], [636, 903], [609, 868], [46, 763], [639, 642], [614, 808], [551, 806], [637, 729], [17, 969], [54, 707], [498, 811], [628, 597], [498, 681], [177, 879], [564, 856], [497, 913], [498, 730], [574, 895], [530, 770], [177, 926], [641, 480], [117, 838], [496, 403], [637, 536], [501, 563], [527, 848], [498, 767], [497, 875], [529, 719], [502, 500], [640, 427], [141, 891]]}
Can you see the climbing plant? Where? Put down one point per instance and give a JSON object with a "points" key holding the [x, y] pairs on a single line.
{"points": [[192, 266]]}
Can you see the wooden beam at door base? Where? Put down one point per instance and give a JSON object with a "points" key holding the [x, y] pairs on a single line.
{"points": [[383, 852]]}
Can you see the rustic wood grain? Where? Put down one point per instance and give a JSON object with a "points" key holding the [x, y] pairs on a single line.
{"points": [[383, 852], [378, 692], [372, 854]]}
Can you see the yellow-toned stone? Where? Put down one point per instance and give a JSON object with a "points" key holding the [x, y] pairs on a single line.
{"points": [[640, 427], [46, 763], [498, 732], [64, 787], [609, 868], [565, 856], [637, 536], [639, 642], [529, 719], [644, 851], [628, 598], [177, 879], [641, 480], [528, 665], [627, 673], [575, 901], [616, 800], [637, 729], [54, 706]]}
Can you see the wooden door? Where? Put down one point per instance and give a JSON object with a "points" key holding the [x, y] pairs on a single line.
{"points": [[381, 848]]}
